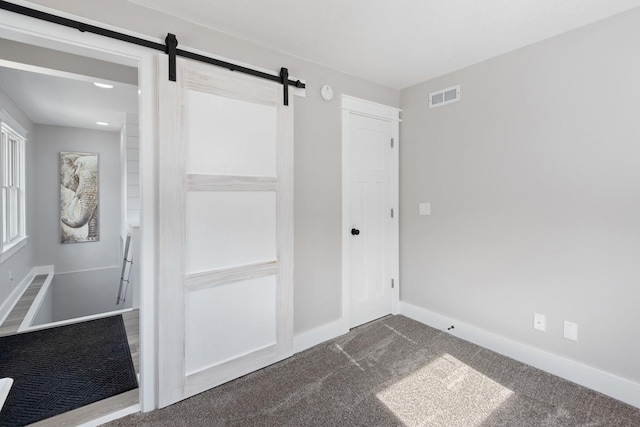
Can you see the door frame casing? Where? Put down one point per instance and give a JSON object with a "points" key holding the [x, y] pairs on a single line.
{"points": [[52, 36], [361, 107]]}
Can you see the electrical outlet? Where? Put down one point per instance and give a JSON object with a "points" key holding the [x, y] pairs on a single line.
{"points": [[539, 322], [571, 330], [10, 278]]}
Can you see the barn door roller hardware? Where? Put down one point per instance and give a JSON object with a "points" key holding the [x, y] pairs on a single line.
{"points": [[170, 47]]}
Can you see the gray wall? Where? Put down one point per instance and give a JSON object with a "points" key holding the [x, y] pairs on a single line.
{"points": [[534, 183], [50, 141], [317, 145], [22, 261]]}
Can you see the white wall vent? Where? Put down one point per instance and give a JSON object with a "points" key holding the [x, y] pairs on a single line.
{"points": [[444, 96]]}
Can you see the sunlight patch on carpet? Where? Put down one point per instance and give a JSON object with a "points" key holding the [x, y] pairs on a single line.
{"points": [[444, 392]]}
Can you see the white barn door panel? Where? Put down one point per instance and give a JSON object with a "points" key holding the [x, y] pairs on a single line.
{"points": [[226, 228]]}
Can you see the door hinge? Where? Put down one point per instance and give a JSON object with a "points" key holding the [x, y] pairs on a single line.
{"points": [[391, 142], [393, 285], [391, 212]]}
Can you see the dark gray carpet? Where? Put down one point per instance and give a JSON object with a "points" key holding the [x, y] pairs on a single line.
{"points": [[59, 369], [395, 372]]}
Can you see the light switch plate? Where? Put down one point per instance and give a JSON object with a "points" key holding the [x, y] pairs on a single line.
{"points": [[424, 208]]}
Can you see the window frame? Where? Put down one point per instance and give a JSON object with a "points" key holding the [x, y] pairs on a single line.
{"points": [[12, 177]]}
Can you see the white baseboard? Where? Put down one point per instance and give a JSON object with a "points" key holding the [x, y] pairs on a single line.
{"points": [[319, 335], [89, 270], [595, 379]]}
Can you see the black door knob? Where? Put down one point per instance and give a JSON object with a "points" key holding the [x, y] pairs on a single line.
{"points": [[355, 231]]}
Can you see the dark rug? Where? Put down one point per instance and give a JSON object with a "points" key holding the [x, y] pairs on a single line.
{"points": [[59, 369]]}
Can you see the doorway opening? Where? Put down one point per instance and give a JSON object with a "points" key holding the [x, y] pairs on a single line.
{"points": [[76, 271]]}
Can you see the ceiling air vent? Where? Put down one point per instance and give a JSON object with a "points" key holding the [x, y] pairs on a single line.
{"points": [[444, 96]]}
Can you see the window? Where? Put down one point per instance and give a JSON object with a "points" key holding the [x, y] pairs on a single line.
{"points": [[13, 189]]}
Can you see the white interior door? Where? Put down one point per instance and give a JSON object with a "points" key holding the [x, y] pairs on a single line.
{"points": [[370, 226], [226, 228]]}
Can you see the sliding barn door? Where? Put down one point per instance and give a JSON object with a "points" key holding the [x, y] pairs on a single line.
{"points": [[225, 304]]}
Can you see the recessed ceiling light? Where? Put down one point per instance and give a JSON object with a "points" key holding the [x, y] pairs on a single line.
{"points": [[103, 85], [102, 123]]}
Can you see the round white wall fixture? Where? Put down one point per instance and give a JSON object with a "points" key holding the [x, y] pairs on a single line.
{"points": [[326, 93]]}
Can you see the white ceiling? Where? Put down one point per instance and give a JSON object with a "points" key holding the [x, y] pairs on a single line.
{"points": [[396, 43], [72, 101]]}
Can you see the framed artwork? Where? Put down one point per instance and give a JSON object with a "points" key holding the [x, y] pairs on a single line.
{"points": [[79, 197]]}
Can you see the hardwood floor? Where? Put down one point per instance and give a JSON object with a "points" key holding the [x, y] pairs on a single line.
{"points": [[132, 326], [16, 316], [91, 412], [97, 409]]}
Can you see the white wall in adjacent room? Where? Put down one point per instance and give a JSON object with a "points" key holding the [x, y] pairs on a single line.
{"points": [[69, 257], [21, 262]]}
